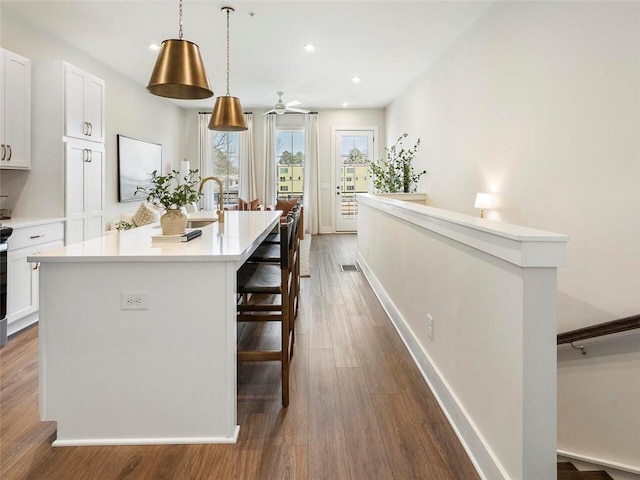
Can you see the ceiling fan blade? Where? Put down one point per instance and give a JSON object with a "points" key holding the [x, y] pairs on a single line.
{"points": [[297, 110], [293, 103], [270, 111]]}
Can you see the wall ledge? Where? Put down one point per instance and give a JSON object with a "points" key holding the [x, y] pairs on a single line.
{"points": [[522, 246]]}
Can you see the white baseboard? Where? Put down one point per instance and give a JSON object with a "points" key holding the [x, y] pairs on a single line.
{"points": [[22, 323], [600, 462], [483, 459], [148, 441]]}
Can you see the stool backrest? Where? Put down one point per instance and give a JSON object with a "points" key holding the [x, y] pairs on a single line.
{"points": [[286, 242]]}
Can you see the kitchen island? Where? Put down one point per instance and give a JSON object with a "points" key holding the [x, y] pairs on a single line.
{"points": [[138, 338]]}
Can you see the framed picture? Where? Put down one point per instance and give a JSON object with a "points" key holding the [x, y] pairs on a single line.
{"points": [[136, 160]]}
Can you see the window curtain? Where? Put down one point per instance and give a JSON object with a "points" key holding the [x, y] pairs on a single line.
{"points": [[205, 165], [311, 201], [247, 181], [269, 187]]}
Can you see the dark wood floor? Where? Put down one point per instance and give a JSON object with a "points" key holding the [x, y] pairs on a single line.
{"points": [[359, 407]]}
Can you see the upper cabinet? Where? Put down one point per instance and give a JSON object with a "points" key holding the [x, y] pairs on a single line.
{"points": [[84, 105], [15, 111]]}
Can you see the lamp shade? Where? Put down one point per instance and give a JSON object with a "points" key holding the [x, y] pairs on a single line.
{"points": [[483, 200], [179, 72], [227, 115]]}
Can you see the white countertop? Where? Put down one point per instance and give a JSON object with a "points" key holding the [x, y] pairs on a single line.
{"points": [[233, 240], [21, 222]]}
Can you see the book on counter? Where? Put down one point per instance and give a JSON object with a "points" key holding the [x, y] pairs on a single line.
{"points": [[189, 234]]}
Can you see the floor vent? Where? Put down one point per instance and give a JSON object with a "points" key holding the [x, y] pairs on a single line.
{"points": [[348, 268]]}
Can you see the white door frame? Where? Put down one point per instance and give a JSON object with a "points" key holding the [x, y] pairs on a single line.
{"points": [[334, 130]]}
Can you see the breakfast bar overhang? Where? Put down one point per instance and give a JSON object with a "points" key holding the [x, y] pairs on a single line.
{"points": [[160, 371]]}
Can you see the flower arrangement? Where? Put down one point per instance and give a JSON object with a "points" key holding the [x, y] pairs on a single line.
{"points": [[394, 173], [122, 225], [171, 191]]}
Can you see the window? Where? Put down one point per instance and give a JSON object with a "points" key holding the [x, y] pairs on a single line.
{"points": [[290, 160], [226, 164]]}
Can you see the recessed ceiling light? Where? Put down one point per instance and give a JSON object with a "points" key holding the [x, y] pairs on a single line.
{"points": [[309, 47], [356, 79], [345, 104], [154, 46]]}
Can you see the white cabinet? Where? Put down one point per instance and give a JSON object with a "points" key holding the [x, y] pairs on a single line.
{"points": [[84, 105], [84, 191], [15, 111], [22, 276]]}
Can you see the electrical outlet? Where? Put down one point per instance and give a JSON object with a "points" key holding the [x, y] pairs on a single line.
{"points": [[430, 323], [134, 301]]}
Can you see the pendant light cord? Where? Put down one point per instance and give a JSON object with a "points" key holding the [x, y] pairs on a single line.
{"points": [[227, 52], [180, 21]]}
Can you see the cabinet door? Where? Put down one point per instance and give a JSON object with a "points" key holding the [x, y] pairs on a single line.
{"points": [[17, 107], [23, 279], [94, 194], [94, 108], [84, 191], [2, 110], [22, 294], [15, 111], [84, 105], [74, 94], [76, 156]]}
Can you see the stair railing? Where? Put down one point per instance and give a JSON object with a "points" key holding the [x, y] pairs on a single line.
{"points": [[606, 328]]}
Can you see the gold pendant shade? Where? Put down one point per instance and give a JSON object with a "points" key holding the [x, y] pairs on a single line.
{"points": [[179, 72], [227, 112], [227, 115]]}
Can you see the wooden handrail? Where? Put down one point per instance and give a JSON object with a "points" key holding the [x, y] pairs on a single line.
{"points": [[606, 328]]}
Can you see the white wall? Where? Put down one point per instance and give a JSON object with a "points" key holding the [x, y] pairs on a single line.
{"points": [[326, 120], [490, 359], [130, 111], [539, 104]]}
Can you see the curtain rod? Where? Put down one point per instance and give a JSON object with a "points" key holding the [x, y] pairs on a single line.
{"points": [[203, 113], [273, 113], [293, 113]]}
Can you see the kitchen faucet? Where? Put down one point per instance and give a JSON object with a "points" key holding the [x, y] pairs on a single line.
{"points": [[220, 210]]}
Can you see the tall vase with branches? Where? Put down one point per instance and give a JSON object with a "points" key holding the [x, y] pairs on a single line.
{"points": [[394, 173]]}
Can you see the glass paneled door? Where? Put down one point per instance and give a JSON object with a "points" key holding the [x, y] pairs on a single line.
{"points": [[353, 149]]}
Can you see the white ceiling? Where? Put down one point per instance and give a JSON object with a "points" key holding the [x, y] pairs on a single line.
{"points": [[387, 43]]}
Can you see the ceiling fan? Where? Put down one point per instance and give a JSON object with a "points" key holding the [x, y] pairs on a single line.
{"points": [[281, 107]]}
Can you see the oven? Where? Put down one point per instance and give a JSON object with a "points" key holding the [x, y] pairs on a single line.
{"points": [[5, 232]]}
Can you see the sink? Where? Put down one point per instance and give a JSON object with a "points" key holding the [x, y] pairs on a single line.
{"points": [[199, 223]]}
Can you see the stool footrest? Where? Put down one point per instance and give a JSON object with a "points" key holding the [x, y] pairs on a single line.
{"points": [[259, 318], [260, 356]]}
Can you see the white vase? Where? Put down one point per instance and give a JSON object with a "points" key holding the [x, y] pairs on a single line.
{"points": [[173, 222]]}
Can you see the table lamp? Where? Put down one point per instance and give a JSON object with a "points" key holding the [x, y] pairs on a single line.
{"points": [[483, 200]]}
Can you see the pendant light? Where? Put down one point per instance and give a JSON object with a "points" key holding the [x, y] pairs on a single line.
{"points": [[227, 112], [179, 71]]}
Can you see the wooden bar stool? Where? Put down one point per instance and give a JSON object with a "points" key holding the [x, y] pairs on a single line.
{"points": [[265, 291]]}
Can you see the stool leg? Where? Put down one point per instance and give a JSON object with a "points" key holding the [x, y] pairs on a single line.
{"points": [[285, 354]]}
